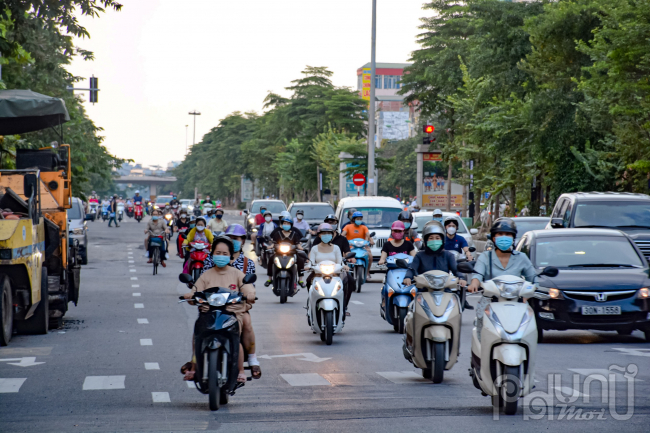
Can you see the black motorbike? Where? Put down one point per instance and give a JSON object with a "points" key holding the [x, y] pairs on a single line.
{"points": [[285, 270], [216, 342]]}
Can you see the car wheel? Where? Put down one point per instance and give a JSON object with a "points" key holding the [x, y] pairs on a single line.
{"points": [[624, 331]]}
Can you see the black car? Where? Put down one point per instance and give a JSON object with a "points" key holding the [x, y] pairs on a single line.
{"points": [[603, 282], [617, 210], [274, 206]]}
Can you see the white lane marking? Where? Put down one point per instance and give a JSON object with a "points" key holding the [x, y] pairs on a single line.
{"points": [[143, 321], [137, 294], [131, 266], [305, 379], [138, 305], [134, 278], [146, 342], [135, 285], [131, 270], [357, 302], [103, 382], [190, 384], [160, 397], [634, 352], [305, 357], [131, 261], [402, 376], [27, 361], [11, 385], [151, 366], [600, 371]]}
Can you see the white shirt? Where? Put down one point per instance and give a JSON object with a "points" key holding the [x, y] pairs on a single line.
{"points": [[316, 256]]}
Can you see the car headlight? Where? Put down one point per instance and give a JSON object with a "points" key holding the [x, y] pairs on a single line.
{"points": [[546, 293], [78, 231], [644, 293], [251, 220], [284, 248], [190, 207]]}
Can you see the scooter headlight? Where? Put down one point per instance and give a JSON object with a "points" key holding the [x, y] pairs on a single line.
{"points": [[319, 289], [510, 290], [218, 299], [168, 217], [290, 264], [337, 287], [436, 281], [277, 262], [327, 269], [284, 248]]}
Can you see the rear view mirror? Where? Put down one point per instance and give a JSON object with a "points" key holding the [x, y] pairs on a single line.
{"points": [[350, 255], [89, 217], [465, 268], [473, 231], [372, 235], [30, 183], [185, 278], [250, 278], [472, 249], [245, 212], [402, 264], [557, 223], [550, 271]]}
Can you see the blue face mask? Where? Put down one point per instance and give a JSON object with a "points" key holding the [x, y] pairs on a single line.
{"points": [[218, 216], [358, 222], [326, 238], [407, 225], [221, 261], [286, 227], [155, 217], [237, 245], [192, 226], [503, 242], [438, 219]]}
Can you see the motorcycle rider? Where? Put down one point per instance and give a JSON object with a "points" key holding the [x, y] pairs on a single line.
{"points": [[264, 230], [112, 209], [198, 233], [156, 227], [218, 224], [359, 230], [237, 235], [437, 216], [259, 218], [410, 234], [197, 203], [93, 197], [183, 222], [137, 198], [396, 244], [299, 224], [434, 256], [350, 213], [207, 201], [453, 241], [287, 233], [223, 275], [174, 201]]}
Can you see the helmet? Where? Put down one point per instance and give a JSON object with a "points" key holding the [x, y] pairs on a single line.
{"points": [[504, 225], [300, 212], [192, 218], [405, 216], [331, 217], [398, 225], [324, 227], [114, 195], [201, 219], [267, 212], [287, 220], [219, 210], [437, 212], [93, 192], [223, 239], [451, 220], [351, 212], [167, 204], [137, 191], [357, 214], [433, 228], [235, 230], [284, 214]]}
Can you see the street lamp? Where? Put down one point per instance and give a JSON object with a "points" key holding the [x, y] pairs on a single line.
{"points": [[194, 113], [371, 112], [186, 139]]}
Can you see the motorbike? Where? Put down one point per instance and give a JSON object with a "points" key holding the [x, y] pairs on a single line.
{"points": [[94, 206], [169, 218], [396, 296], [504, 341], [176, 211], [182, 235], [207, 207], [120, 212], [358, 246], [460, 258], [196, 211], [129, 210], [157, 249], [216, 342], [432, 339], [265, 246], [105, 212], [195, 262], [138, 212], [285, 271], [325, 300]]}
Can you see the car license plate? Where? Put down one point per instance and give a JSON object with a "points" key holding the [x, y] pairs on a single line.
{"points": [[601, 311]]}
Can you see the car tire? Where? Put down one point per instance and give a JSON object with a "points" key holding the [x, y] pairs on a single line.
{"points": [[540, 335], [84, 256], [6, 312], [624, 331], [40, 322]]}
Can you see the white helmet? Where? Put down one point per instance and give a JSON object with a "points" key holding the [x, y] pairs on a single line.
{"points": [[137, 191]]}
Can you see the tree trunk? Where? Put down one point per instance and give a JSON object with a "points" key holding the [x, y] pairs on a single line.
{"points": [[513, 200], [497, 207], [448, 187], [318, 192], [547, 201], [465, 189], [477, 204]]}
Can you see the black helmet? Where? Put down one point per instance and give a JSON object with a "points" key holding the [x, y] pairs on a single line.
{"points": [[451, 220], [226, 240], [405, 216], [331, 217], [504, 225]]}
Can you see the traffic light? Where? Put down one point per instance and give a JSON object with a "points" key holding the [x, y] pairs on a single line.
{"points": [[428, 129], [94, 87]]}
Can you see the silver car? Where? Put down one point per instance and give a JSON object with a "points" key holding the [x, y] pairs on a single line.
{"points": [[77, 227]]}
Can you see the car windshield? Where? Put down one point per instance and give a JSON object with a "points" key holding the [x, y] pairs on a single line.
{"points": [[162, 199], [74, 213], [583, 251], [524, 227], [313, 211], [612, 214], [186, 201], [275, 207], [422, 220], [378, 217]]}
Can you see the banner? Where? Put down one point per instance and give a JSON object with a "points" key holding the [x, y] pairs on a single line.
{"points": [[434, 184], [365, 84]]}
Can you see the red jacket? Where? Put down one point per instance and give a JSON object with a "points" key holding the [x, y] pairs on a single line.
{"points": [[259, 219]]}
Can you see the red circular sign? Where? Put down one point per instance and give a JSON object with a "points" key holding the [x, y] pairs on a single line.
{"points": [[358, 179]]}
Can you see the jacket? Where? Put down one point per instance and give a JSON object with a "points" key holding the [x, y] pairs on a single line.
{"points": [[190, 236], [428, 260]]}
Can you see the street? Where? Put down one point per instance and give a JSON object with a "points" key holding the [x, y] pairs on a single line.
{"points": [[114, 366]]}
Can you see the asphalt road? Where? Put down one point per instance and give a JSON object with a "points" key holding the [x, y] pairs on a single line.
{"points": [[114, 366]]}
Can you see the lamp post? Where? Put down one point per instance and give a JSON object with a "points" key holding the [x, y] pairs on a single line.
{"points": [[194, 113], [186, 139], [371, 112]]}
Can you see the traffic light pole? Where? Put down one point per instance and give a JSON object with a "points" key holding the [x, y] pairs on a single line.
{"points": [[93, 89], [372, 186]]}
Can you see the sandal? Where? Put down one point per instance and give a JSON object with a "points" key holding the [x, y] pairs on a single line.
{"points": [[241, 378], [256, 371], [188, 369]]}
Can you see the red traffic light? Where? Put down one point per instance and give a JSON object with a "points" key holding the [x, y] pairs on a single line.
{"points": [[428, 129]]}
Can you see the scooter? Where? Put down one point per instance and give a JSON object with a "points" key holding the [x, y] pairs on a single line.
{"points": [[120, 212], [325, 300], [358, 246], [195, 262], [396, 296], [266, 250], [504, 341], [182, 235], [105, 212], [285, 270], [129, 211], [460, 258], [94, 206], [216, 342], [432, 339], [169, 217], [207, 208], [138, 212]]}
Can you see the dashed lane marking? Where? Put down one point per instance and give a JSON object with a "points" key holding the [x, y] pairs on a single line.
{"points": [[131, 261], [134, 278], [135, 285], [103, 382], [151, 366], [131, 270], [160, 397], [143, 321], [146, 342], [11, 385], [305, 379], [138, 305], [131, 266], [137, 294], [357, 302], [401, 377]]}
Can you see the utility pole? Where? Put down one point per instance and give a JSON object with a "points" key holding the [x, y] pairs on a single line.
{"points": [[371, 112], [194, 113], [186, 139]]}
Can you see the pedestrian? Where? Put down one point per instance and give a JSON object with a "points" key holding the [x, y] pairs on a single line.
{"points": [[113, 211]]}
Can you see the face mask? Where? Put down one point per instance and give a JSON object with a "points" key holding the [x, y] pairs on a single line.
{"points": [[398, 235], [358, 222], [267, 219], [183, 216], [407, 225], [434, 245], [299, 217], [200, 228], [326, 238], [237, 245], [219, 216], [451, 230], [155, 217], [286, 227], [437, 219], [192, 226], [503, 242], [221, 261], [262, 211]]}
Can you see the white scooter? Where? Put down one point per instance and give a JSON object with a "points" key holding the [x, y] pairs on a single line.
{"points": [[504, 345], [325, 300], [120, 212]]}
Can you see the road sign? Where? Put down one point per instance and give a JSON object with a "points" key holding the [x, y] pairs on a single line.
{"points": [[358, 179]]}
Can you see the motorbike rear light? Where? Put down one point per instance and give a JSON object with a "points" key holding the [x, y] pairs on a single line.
{"points": [[644, 293]]}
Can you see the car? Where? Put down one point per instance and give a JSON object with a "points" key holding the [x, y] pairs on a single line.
{"points": [[378, 215], [616, 210], [315, 212], [421, 218], [603, 281], [187, 204], [275, 206], [161, 200], [77, 228], [530, 223]]}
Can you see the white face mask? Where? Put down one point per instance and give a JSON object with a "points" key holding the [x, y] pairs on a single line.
{"points": [[183, 216], [451, 230], [267, 219], [200, 228], [299, 217]]}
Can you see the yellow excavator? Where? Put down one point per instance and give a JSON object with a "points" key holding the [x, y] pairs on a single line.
{"points": [[39, 265]]}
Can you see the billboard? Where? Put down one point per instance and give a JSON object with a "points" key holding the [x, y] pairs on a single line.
{"points": [[435, 183], [365, 84]]}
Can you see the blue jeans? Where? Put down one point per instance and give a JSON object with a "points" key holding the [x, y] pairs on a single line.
{"points": [[112, 219]]}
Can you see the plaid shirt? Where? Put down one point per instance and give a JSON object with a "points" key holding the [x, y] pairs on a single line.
{"points": [[237, 264]]}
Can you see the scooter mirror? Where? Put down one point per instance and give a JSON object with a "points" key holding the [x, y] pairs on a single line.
{"points": [[465, 268], [472, 249], [372, 235], [350, 255], [401, 263], [185, 278], [248, 279], [550, 271]]}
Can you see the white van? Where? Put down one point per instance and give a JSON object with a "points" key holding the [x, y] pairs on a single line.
{"points": [[379, 213]]}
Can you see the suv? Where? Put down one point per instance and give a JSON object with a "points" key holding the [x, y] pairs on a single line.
{"points": [[275, 206], [623, 211]]}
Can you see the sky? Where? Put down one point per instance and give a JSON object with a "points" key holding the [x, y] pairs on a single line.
{"points": [[157, 60]]}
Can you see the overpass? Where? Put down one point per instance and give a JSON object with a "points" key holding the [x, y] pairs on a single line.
{"points": [[151, 181]]}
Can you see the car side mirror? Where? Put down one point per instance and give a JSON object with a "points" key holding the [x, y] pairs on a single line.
{"points": [[30, 183], [473, 231], [550, 271], [372, 235], [465, 268], [89, 217], [472, 249], [402, 264], [557, 223], [245, 211], [250, 279], [185, 278], [350, 255]]}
